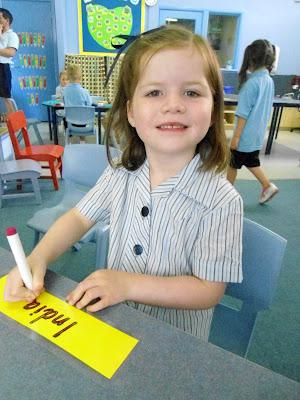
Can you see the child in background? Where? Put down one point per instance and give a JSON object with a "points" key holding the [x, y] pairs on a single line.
{"points": [[175, 221], [59, 94], [253, 113], [74, 93], [63, 81]]}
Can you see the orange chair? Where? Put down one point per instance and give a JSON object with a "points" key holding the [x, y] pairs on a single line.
{"points": [[49, 153]]}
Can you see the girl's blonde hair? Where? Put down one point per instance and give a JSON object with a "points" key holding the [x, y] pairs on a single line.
{"points": [[74, 72], [213, 148]]}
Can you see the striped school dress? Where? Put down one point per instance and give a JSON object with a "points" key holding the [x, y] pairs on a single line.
{"points": [[189, 225]]}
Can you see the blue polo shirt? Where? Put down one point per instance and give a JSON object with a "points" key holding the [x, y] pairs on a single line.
{"points": [[255, 105], [76, 95]]}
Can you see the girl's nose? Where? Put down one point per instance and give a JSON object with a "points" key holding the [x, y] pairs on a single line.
{"points": [[174, 104]]}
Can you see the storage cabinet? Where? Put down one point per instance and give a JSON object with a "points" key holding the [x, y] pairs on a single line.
{"points": [[290, 119]]}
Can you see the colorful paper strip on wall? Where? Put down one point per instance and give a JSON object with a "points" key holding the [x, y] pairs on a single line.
{"points": [[100, 21], [87, 338]]}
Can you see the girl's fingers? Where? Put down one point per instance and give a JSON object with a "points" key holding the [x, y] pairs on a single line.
{"points": [[98, 306], [15, 290], [88, 296], [74, 296], [38, 281]]}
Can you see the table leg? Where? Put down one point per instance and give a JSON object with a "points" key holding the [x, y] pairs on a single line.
{"points": [[49, 123], [272, 130], [55, 129], [278, 122]]}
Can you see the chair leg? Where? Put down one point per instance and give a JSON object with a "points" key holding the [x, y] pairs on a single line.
{"points": [[76, 247], [60, 168], [36, 238], [53, 174], [36, 189]]}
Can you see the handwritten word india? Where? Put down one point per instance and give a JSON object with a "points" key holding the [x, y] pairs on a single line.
{"points": [[44, 313]]}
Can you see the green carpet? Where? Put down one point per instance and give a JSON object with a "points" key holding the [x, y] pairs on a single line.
{"points": [[276, 339]]}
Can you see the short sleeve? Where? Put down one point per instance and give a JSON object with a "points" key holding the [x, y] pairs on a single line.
{"points": [[96, 204], [217, 253], [13, 41], [247, 99]]}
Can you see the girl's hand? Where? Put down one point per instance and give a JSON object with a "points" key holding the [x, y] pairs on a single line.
{"points": [[107, 285], [234, 143], [16, 291]]}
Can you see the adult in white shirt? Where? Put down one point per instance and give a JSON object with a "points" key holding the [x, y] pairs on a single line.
{"points": [[9, 44]]}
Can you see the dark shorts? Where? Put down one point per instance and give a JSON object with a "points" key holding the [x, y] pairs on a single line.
{"points": [[5, 81], [239, 158]]}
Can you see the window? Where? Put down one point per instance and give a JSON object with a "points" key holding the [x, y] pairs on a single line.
{"points": [[222, 34]]}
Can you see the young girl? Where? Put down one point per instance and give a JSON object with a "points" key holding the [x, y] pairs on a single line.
{"points": [[63, 81], [253, 113], [175, 221]]}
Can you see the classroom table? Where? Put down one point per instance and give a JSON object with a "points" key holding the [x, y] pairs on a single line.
{"points": [[55, 105], [167, 363], [278, 105]]}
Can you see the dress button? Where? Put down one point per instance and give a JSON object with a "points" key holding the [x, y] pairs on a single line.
{"points": [[138, 249], [145, 211]]}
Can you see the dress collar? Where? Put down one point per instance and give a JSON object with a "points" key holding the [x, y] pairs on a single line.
{"points": [[178, 182]]}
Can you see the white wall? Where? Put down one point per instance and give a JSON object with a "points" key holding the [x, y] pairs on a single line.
{"points": [[275, 20]]}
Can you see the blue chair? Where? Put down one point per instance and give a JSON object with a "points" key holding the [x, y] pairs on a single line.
{"points": [[81, 122], [82, 166], [235, 317]]}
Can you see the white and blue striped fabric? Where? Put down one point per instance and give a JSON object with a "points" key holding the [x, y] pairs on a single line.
{"points": [[190, 225]]}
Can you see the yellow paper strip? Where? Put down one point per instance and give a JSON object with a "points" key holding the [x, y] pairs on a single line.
{"points": [[92, 341]]}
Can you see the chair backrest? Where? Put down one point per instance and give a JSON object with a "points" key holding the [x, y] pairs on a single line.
{"points": [[84, 163], [80, 115], [16, 122], [263, 250]]}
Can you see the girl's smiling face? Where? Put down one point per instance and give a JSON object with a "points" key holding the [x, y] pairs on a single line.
{"points": [[172, 105]]}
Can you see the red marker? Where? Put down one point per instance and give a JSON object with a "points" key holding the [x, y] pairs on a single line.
{"points": [[19, 255]]}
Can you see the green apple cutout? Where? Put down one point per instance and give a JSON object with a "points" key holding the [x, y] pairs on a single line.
{"points": [[104, 24]]}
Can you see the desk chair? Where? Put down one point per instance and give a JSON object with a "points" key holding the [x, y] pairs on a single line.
{"points": [[80, 121], [232, 326], [46, 153], [15, 170], [31, 122], [83, 164]]}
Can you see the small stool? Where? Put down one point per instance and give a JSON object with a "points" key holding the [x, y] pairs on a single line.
{"points": [[20, 169]]}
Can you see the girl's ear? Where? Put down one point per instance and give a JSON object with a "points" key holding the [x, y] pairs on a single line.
{"points": [[130, 114]]}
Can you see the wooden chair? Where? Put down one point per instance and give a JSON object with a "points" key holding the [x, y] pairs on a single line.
{"points": [[47, 153], [233, 323], [31, 122]]}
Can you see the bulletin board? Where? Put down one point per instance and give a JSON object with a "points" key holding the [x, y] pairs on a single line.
{"points": [[99, 21]]}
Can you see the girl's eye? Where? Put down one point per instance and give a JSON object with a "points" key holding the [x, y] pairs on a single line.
{"points": [[153, 93], [192, 93]]}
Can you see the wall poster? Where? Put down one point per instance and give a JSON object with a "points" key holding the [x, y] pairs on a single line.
{"points": [[99, 21]]}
